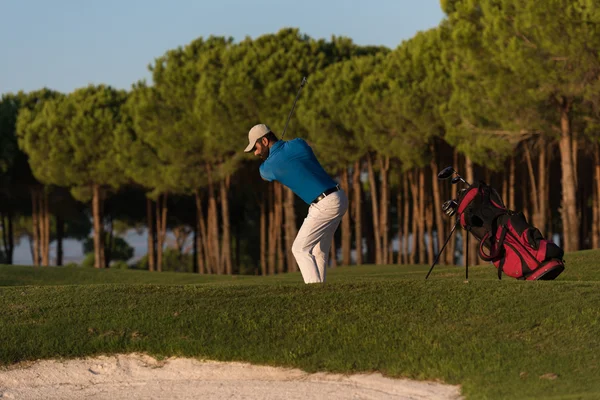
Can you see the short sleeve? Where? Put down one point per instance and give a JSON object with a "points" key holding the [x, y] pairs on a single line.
{"points": [[266, 173]]}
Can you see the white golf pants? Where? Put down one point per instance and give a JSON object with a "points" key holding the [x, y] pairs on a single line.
{"points": [[312, 245]]}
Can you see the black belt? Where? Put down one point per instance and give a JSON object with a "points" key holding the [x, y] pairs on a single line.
{"points": [[326, 193]]}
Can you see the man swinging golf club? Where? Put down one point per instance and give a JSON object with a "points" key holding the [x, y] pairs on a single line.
{"points": [[293, 164]]}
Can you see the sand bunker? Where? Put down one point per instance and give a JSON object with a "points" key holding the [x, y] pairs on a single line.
{"points": [[136, 376]]}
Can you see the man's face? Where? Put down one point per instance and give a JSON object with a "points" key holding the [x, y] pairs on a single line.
{"points": [[261, 148]]}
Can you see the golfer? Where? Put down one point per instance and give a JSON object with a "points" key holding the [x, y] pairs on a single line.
{"points": [[293, 164]]}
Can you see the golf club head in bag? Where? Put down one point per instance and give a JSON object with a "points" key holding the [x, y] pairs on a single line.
{"points": [[449, 207], [448, 172]]}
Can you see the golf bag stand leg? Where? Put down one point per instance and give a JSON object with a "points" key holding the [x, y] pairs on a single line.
{"points": [[442, 249]]}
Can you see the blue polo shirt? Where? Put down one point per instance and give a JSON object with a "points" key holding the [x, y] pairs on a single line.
{"points": [[294, 164]]}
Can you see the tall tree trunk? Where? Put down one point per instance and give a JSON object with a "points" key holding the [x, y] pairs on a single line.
{"points": [[384, 165], [465, 242], [405, 228], [161, 228], [98, 227], [272, 242], [46, 254], [11, 238], [505, 188], [535, 195], [415, 234], [549, 221], [569, 182], [596, 220], [400, 220], [263, 236], [596, 234], [346, 228], [226, 240], [238, 245], [421, 217], [291, 230], [429, 227], [201, 242], [472, 242], [195, 243], [35, 225], [109, 246], [204, 236], [42, 228], [163, 224], [575, 152], [151, 255], [60, 234], [526, 194], [180, 233], [437, 201], [375, 208], [368, 235], [542, 188], [511, 185], [42, 215], [278, 187], [4, 237], [357, 190], [332, 254], [30, 240], [451, 247], [584, 231], [159, 244], [213, 224], [8, 236]]}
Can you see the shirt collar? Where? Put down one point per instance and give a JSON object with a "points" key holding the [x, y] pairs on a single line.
{"points": [[275, 147]]}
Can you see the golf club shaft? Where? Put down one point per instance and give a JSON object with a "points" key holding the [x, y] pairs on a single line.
{"points": [[293, 106]]}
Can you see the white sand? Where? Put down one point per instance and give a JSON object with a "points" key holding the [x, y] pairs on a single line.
{"points": [[136, 376]]}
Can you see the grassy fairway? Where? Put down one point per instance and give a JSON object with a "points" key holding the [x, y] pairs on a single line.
{"points": [[498, 339]]}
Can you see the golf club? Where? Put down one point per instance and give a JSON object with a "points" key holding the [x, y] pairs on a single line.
{"points": [[294, 105], [448, 172], [450, 207]]}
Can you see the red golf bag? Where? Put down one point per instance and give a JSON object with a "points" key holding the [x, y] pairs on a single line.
{"points": [[506, 239]]}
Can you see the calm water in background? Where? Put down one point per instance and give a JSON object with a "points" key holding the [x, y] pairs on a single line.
{"points": [[73, 249]]}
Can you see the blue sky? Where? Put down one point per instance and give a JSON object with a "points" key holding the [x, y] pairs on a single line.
{"points": [[66, 44]]}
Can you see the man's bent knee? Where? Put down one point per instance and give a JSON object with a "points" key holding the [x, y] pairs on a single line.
{"points": [[298, 249]]}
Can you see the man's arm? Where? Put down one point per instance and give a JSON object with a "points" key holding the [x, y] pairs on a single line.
{"points": [[265, 173]]}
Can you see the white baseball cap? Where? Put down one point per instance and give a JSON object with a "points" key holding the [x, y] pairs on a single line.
{"points": [[256, 133]]}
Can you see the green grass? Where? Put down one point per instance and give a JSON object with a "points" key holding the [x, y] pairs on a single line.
{"points": [[495, 338]]}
